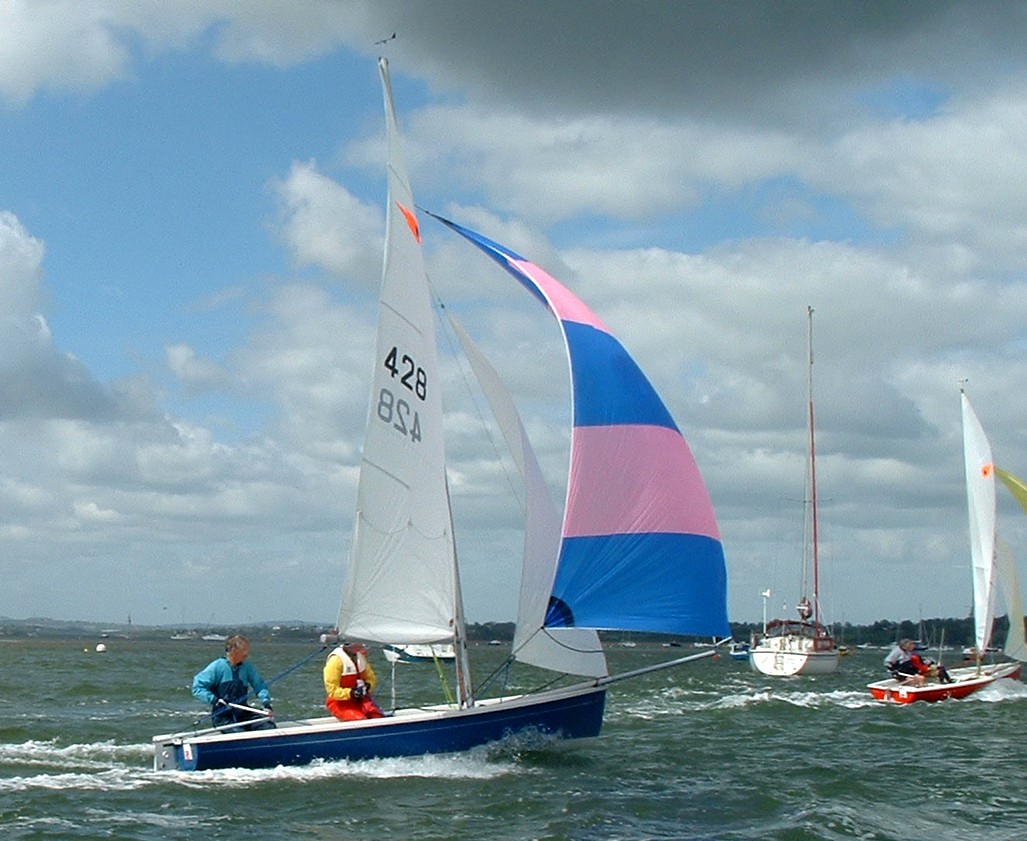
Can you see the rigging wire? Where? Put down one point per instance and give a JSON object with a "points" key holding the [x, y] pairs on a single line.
{"points": [[467, 380]]}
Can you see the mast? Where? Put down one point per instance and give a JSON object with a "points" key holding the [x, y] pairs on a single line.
{"points": [[813, 476], [464, 685]]}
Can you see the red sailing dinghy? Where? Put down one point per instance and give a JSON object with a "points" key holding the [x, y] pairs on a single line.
{"points": [[988, 565]]}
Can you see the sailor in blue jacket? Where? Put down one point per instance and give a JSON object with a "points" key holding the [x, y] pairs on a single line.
{"points": [[225, 684]]}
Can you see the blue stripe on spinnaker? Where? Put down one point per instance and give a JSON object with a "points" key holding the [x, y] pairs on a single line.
{"points": [[666, 583], [609, 387]]}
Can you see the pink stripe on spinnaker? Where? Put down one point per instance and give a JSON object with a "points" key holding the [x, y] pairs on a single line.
{"points": [[635, 479], [565, 303]]}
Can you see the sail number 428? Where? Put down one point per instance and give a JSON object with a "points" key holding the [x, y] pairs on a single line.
{"points": [[394, 409], [410, 374]]}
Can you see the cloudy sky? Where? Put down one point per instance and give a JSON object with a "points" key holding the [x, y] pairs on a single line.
{"points": [[191, 223]]}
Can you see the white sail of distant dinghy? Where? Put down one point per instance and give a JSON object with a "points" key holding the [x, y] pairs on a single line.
{"points": [[1016, 643], [1005, 564], [980, 496], [790, 647], [638, 547], [988, 566]]}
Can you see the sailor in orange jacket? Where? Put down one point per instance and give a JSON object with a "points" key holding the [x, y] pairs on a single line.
{"points": [[349, 681]]}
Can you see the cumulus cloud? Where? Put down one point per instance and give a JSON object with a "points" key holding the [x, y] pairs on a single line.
{"points": [[70, 46], [325, 225], [699, 174], [191, 371], [36, 379]]}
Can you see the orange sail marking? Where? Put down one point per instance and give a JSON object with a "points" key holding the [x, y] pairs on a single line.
{"points": [[415, 229]]}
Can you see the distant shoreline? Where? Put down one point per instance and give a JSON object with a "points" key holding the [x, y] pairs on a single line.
{"points": [[951, 632]]}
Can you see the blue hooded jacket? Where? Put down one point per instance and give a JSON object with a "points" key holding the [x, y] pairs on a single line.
{"points": [[220, 680]]}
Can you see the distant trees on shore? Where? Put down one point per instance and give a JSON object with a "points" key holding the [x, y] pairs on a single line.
{"points": [[949, 632]]}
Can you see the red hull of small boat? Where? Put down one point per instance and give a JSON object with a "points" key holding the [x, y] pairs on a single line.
{"points": [[891, 691]]}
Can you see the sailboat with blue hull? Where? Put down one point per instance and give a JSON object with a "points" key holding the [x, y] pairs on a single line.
{"points": [[637, 547]]}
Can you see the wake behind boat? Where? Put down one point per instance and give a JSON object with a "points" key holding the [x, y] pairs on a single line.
{"points": [[990, 567], [638, 548], [800, 646]]}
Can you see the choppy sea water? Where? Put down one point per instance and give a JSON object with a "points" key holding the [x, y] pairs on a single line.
{"points": [[709, 750]]}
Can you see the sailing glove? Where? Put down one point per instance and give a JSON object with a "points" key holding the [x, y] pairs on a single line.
{"points": [[358, 692]]}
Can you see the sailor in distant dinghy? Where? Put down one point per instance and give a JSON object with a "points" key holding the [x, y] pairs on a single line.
{"points": [[904, 664], [349, 681]]}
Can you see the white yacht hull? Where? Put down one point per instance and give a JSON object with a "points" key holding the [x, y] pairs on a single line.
{"points": [[790, 655]]}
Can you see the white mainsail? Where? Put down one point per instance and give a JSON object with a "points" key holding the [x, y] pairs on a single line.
{"points": [[980, 497], [402, 584], [572, 650]]}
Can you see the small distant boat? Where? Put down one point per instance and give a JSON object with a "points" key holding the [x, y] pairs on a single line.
{"points": [[965, 681], [989, 566], [418, 652], [803, 646], [739, 651]]}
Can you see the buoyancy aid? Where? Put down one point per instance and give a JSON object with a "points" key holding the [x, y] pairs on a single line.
{"points": [[234, 691], [352, 670]]}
